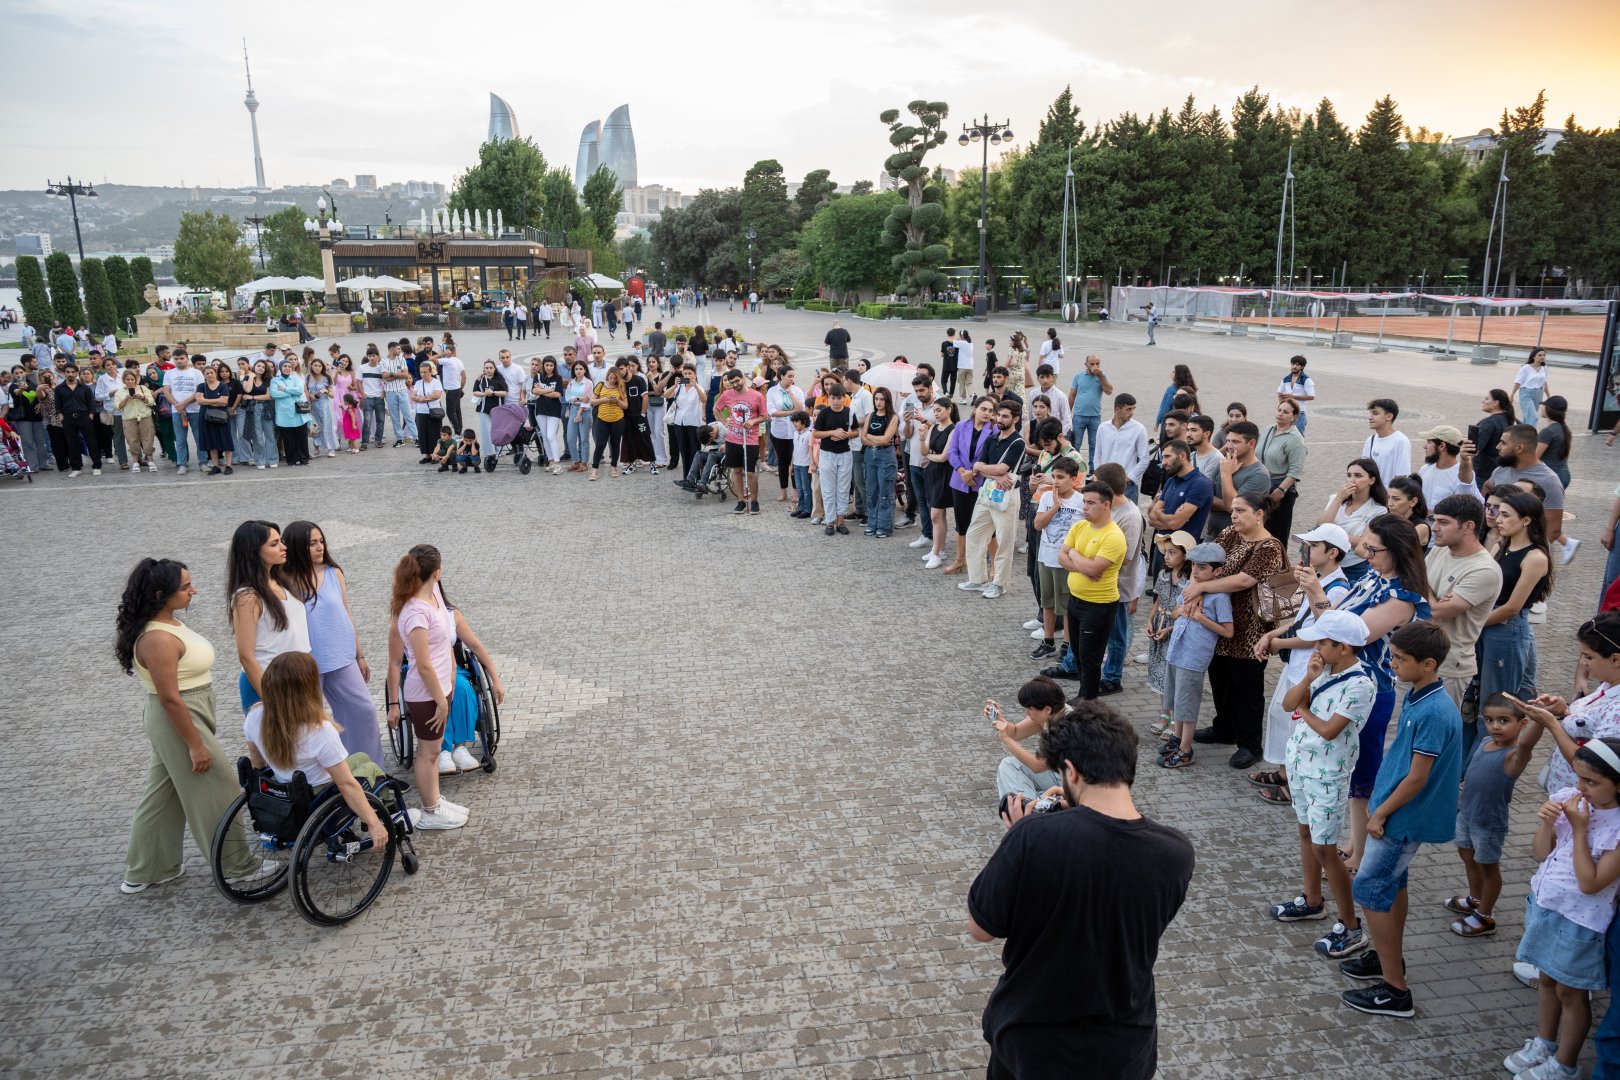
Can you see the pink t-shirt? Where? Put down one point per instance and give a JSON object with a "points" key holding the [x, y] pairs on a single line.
{"points": [[440, 623], [745, 405]]}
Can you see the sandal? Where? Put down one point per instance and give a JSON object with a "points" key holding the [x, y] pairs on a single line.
{"points": [[1475, 925], [1276, 795], [1275, 778], [1462, 905]]}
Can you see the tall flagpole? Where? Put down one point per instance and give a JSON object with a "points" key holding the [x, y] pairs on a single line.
{"points": [[1285, 218], [1487, 280]]}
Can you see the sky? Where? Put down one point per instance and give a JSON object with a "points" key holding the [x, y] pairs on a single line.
{"points": [[152, 94]]}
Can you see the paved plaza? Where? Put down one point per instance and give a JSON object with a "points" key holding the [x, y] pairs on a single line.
{"points": [[743, 789]]}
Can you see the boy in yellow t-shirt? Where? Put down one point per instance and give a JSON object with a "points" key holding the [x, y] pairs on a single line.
{"points": [[1093, 552]]}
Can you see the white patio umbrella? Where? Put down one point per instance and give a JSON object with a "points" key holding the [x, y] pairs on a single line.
{"points": [[602, 281], [268, 284], [308, 284], [359, 284], [394, 284]]}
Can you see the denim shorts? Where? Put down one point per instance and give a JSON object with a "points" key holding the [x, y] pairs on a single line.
{"points": [[1561, 949], [1485, 840], [1383, 872]]}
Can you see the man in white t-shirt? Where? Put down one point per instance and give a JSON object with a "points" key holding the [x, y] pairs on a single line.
{"points": [[396, 375], [1465, 580], [1299, 386], [1056, 400], [1440, 466], [753, 302], [373, 410], [515, 377], [180, 386], [1389, 449], [916, 410], [453, 377]]}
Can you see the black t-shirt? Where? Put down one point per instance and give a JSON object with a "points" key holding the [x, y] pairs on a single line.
{"points": [[831, 419], [488, 383], [635, 389], [875, 424], [947, 353], [1077, 891], [548, 406], [837, 342]]}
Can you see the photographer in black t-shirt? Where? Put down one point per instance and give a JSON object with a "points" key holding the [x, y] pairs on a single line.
{"points": [[1082, 896]]}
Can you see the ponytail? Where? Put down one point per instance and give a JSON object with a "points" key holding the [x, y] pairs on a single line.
{"points": [[414, 568]]}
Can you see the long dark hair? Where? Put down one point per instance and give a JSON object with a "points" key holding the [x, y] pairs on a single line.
{"points": [[1410, 486], [888, 400], [1181, 377], [1505, 403], [245, 570], [1401, 538], [148, 589], [1527, 506], [1377, 492], [298, 573], [1556, 408]]}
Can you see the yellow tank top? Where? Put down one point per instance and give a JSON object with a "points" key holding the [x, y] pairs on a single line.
{"points": [[196, 663]]}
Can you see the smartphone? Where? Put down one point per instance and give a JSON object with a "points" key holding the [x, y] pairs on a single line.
{"points": [[995, 713], [1473, 434]]}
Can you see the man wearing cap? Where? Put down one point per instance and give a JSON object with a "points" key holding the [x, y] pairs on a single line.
{"points": [[1465, 581], [1440, 466]]}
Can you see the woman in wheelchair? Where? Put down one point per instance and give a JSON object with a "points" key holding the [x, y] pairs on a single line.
{"points": [[288, 731], [427, 627]]}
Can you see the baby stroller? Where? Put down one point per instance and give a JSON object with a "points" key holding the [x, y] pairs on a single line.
{"points": [[12, 460], [509, 426]]}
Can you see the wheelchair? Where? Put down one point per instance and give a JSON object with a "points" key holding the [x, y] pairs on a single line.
{"points": [[316, 840], [472, 683]]}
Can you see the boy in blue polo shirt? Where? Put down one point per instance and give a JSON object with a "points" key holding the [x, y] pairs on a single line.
{"points": [[1414, 802]]}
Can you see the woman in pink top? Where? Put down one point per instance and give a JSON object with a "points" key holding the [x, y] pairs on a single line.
{"points": [[426, 627]]}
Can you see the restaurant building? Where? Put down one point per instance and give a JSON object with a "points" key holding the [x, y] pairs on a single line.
{"points": [[445, 267]]}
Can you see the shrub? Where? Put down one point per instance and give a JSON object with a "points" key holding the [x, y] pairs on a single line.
{"points": [[64, 285], [36, 302], [819, 305]]}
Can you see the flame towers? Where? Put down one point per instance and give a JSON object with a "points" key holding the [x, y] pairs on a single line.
{"points": [[612, 144], [502, 120]]}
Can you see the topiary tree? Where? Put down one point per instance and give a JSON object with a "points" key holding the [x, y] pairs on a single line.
{"points": [[140, 275], [101, 311], [64, 285], [126, 297], [36, 302], [916, 224]]}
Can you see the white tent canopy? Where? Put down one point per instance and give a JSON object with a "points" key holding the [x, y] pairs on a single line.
{"points": [[394, 284], [269, 284], [602, 281]]}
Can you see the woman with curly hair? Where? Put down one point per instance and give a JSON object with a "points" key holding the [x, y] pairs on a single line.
{"points": [[189, 781]]}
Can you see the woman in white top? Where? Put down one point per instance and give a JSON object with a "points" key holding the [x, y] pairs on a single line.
{"points": [[657, 407], [289, 732], [1530, 385], [264, 618], [427, 398], [685, 420], [1052, 351], [1362, 498], [964, 363]]}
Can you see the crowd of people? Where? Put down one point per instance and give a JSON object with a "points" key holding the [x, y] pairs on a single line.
{"points": [[1411, 603]]}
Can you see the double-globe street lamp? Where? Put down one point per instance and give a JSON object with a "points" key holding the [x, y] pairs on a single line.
{"points": [[323, 230], [73, 191], [991, 135]]}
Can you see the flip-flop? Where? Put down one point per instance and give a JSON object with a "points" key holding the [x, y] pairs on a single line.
{"points": [[1462, 905], [1275, 778], [1276, 796]]}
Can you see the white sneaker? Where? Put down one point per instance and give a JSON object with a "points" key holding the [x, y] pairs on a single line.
{"points": [[1570, 547], [973, 586], [921, 542], [75, 472], [1528, 1056], [1140, 658], [331, 453], [447, 764], [415, 815], [130, 888], [464, 759], [933, 562], [1033, 624], [97, 472], [454, 808], [273, 464], [267, 870], [181, 471], [441, 818], [1527, 974], [1038, 634], [992, 590]]}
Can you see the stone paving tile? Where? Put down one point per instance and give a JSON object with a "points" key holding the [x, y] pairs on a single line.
{"points": [[726, 838]]}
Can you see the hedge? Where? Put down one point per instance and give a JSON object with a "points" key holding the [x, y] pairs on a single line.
{"points": [[908, 311]]}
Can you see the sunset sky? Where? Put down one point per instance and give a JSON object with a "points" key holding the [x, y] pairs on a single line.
{"points": [[152, 94]]}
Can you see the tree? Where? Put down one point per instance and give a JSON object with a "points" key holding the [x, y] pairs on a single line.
{"points": [[1586, 187], [816, 189], [782, 271], [508, 177], [764, 206], [694, 243], [1527, 242], [292, 252], [1390, 222], [637, 252], [1261, 136], [140, 275], [36, 302], [64, 285], [208, 252], [126, 297], [605, 258], [603, 197], [562, 211], [1324, 195], [1033, 195], [844, 243], [962, 218], [915, 224], [101, 310], [861, 187]]}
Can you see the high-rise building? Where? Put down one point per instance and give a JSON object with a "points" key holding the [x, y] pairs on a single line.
{"points": [[252, 103], [612, 144], [502, 120], [36, 244], [365, 181], [590, 144]]}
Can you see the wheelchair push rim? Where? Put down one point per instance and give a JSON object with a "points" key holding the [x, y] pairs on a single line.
{"points": [[331, 883], [234, 833]]}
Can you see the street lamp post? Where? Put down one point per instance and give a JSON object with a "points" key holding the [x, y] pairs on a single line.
{"points": [[322, 229], [257, 221], [752, 235], [991, 135], [73, 191]]}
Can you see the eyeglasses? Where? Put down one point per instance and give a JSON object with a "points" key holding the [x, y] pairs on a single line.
{"points": [[1373, 550]]}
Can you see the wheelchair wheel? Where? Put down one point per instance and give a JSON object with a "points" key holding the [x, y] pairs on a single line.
{"points": [[402, 741], [489, 718], [331, 884], [235, 833]]}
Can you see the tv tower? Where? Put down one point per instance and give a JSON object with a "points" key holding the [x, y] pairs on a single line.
{"points": [[252, 104]]}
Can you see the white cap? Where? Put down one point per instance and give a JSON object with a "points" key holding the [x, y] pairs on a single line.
{"points": [[1327, 534], [1340, 626]]}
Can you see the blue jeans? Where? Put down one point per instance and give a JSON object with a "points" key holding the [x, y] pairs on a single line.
{"points": [[801, 483], [579, 441], [1132, 492], [1119, 643], [372, 412], [1503, 653], [1300, 423], [399, 414], [184, 436], [1085, 428], [1529, 406], [879, 465]]}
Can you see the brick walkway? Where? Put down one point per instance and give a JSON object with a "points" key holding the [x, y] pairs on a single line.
{"points": [[727, 836]]}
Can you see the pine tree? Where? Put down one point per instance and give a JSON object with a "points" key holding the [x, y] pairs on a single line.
{"points": [[64, 285], [100, 308], [126, 297], [36, 302]]}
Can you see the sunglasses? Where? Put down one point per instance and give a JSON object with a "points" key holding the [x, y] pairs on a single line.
{"points": [[1590, 627]]}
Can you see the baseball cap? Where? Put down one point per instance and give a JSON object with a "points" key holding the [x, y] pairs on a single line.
{"points": [[1181, 538], [1212, 554], [1443, 433], [1327, 534], [1341, 626]]}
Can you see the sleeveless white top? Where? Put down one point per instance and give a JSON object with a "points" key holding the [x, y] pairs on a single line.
{"points": [[269, 643]]}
